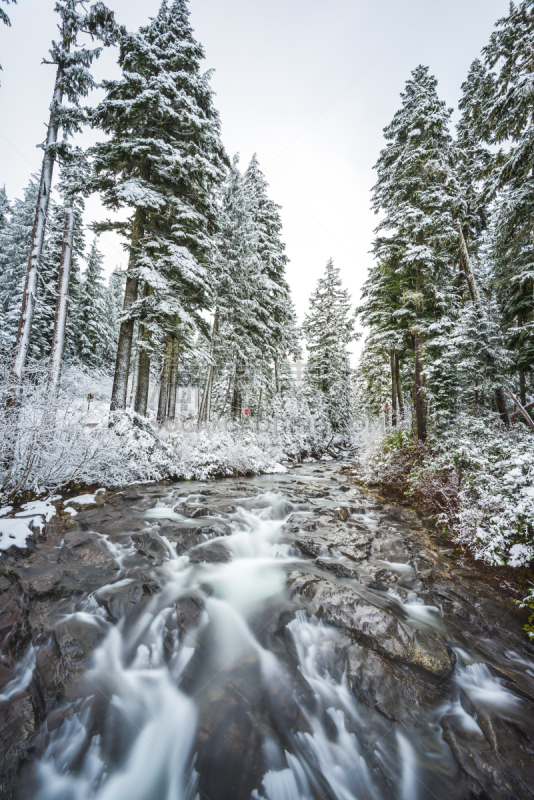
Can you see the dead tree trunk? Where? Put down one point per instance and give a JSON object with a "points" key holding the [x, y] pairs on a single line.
{"points": [[135, 375], [393, 388], [418, 391], [520, 409], [465, 263], [22, 343], [474, 293], [60, 320], [399, 387], [126, 332], [143, 378], [205, 406], [227, 395], [173, 381], [165, 381]]}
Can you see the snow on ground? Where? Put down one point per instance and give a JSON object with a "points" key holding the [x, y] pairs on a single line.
{"points": [[31, 519], [83, 499], [13, 532]]}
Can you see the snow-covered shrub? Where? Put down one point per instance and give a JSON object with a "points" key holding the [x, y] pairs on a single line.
{"points": [[478, 481], [81, 445]]}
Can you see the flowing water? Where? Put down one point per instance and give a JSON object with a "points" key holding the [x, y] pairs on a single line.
{"points": [[284, 638]]}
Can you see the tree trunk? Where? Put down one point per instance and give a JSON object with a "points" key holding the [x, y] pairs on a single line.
{"points": [[173, 381], [276, 383], [135, 376], [22, 344], [205, 406], [393, 388], [522, 410], [501, 405], [60, 320], [226, 397], [399, 387], [126, 332], [418, 391], [165, 380], [237, 398], [465, 263], [143, 378]]}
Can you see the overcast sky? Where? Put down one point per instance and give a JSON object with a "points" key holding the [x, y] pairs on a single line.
{"points": [[307, 84]]}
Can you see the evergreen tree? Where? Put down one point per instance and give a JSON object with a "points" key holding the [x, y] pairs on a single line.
{"points": [[273, 291], [416, 191], [5, 208], [163, 159], [498, 104], [94, 327], [15, 238], [4, 17], [329, 328], [114, 296], [72, 83]]}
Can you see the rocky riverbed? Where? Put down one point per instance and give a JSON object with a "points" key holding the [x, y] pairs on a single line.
{"points": [[285, 638]]}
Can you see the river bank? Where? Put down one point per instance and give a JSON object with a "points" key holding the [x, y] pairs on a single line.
{"points": [[284, 636]]}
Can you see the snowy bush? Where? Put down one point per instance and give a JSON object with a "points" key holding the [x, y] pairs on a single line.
{"points": [[90, 446], [479, 477]]}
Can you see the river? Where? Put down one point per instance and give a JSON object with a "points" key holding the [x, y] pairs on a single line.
{"points": [[286, 637]]}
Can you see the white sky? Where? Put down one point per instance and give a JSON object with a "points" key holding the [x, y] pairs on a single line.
{"points": [[307, 84]]}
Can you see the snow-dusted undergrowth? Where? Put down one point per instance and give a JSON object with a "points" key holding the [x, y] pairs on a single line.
{"points": [[493, 471], [479, 478], [94, 447]]}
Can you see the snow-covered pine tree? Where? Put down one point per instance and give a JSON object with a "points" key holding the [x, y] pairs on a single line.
{"points": [[499, 106], [382, 311], [94, 328], [4, 16], [239, 330], [15, 237], [329, 328], [415, 190], [163, 160], [114, 296], [274, 294], [5, 208], [73, 82]]}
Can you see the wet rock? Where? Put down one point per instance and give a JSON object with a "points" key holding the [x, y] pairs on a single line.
{"points": [[119, 600], [374, 627], [342, 513], [18, 725], [391, 687], [501, 767], [215, 553], [150, 545], [84, 562]]}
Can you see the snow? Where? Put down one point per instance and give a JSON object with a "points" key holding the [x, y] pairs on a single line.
{"points": [[83, 499], [25, 523], [5, 511], [13, 532]]}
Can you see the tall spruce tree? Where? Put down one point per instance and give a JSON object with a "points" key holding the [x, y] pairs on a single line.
{"points": [[15, 238], [163, 159], [498, 105], [73, 82], [415, 191], [94, 327], [272, 287], [329, 328]]}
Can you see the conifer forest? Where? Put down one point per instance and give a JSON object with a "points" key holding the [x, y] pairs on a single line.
{"points": [[248, 553]]}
